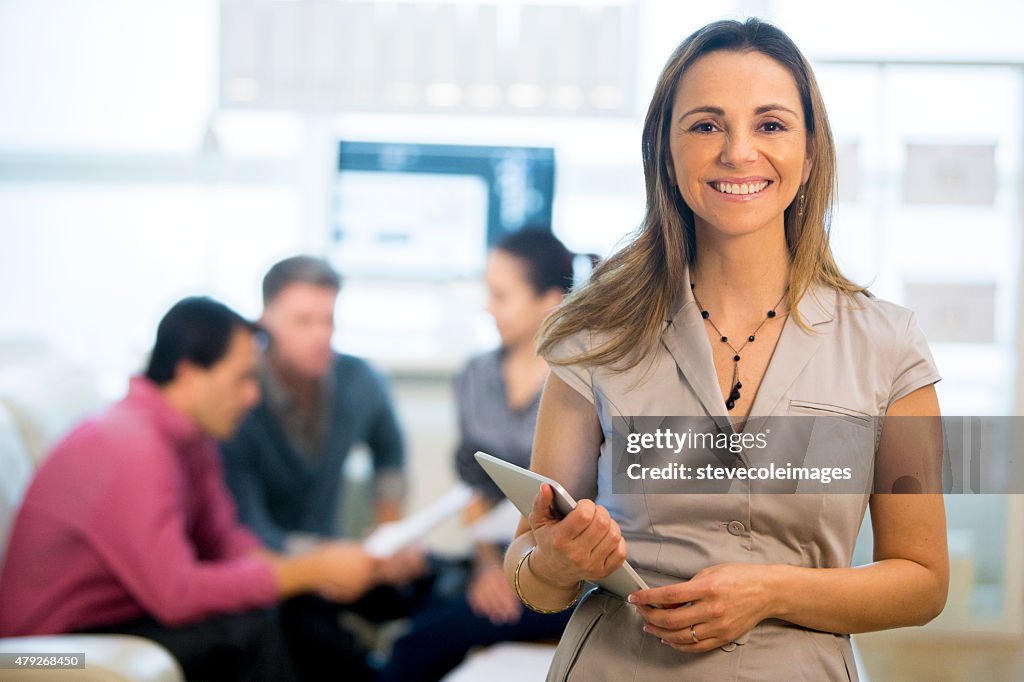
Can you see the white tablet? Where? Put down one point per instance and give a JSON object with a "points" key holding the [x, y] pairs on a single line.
{"points": [[522, 485]]}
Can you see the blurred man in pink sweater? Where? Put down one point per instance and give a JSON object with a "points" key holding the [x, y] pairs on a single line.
{"points": [[127, 526]]}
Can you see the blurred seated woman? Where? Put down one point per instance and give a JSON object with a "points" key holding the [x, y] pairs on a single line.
{"points": [[498, 395]]}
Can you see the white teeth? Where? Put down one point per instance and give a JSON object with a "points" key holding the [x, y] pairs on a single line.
{"points": [[745, 188]]}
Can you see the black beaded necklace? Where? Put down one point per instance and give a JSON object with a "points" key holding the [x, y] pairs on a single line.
{"points": [[734, 394]]}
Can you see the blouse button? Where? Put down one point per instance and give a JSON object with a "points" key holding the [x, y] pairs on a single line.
{"points": [[731, 646], [736, 528]]}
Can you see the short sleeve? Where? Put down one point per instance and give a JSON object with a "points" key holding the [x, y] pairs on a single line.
{"points": [[914, 366], [578, 375]]}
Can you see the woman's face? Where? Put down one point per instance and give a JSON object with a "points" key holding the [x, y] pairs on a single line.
{"points": [[517, 309], [737, 143]]}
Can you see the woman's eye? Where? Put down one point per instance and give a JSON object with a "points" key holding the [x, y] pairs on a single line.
{"points": [[772, 127], [703, 128]]}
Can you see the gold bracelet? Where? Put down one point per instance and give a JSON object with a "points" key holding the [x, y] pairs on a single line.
{"points": [[526, 602]]}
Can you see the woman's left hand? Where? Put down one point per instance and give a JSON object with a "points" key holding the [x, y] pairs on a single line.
{"points": [[721, 602]]}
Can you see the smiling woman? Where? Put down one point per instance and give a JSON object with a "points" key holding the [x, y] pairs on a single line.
{"points": [[727, 305]]}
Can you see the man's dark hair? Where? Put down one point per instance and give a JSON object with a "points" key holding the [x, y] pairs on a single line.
{"points": [[197, 329], [548, 263], [304, 269]]}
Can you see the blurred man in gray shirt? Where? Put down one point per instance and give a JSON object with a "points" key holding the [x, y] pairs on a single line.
{"points": [[285, 463]]}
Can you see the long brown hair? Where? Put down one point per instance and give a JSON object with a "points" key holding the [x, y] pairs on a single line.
{"points": [[631, 294]]}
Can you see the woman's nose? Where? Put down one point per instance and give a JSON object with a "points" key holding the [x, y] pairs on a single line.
{"points": [[737, 149]]}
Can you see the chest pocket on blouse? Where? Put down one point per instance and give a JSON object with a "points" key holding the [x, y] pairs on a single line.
{"points": [[842, 437], [829, 410]]}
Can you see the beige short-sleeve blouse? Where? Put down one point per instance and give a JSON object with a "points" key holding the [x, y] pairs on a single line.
{"points": [[859, 355]]}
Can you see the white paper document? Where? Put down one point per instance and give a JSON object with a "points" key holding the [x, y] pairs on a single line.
{"points": [[498, 526], [392, 537]]}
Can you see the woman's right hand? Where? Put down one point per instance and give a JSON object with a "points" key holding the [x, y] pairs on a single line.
{"points": [[585, 545]]}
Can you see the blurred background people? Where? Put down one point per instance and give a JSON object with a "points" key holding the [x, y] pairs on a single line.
{"points": [[498, 394], [127, 526]]}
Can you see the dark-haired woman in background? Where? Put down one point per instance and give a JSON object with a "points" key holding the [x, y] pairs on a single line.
{"points": [[498, 395]]}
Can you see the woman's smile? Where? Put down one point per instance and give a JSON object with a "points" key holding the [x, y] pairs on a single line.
{"points": [[738, 189]]}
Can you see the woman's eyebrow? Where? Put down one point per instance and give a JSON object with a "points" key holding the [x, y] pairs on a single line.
{"points": [[765, 108], [718, 111]]}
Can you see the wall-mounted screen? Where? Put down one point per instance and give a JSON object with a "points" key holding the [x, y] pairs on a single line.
{"points": [[429, 210]]}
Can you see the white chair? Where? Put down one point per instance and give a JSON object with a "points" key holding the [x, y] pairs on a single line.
{"points": [[45, 394], [107, 658], [16, 465]]}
